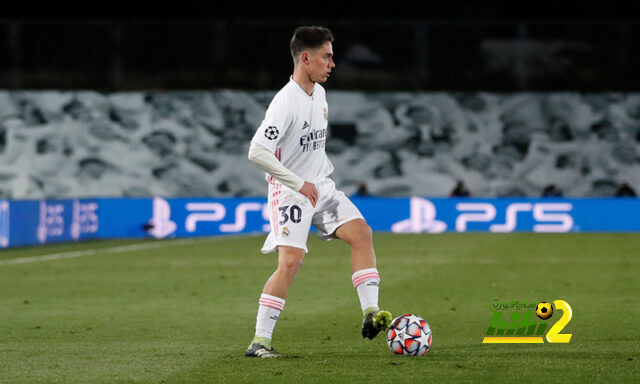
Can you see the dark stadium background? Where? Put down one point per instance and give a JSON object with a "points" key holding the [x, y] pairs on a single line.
{"points": [[486, 45]]}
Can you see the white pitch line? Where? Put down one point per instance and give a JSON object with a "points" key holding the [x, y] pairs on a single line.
{"points": [[111, 250]]}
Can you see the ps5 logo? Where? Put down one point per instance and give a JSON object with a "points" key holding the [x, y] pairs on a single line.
{"points": [[161, 225], [421, 219], [203, 212], [214, 212], [241, 217], [551, 217]]}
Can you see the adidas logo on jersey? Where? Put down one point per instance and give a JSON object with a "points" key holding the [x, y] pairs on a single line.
{"points": [[305, 126]]}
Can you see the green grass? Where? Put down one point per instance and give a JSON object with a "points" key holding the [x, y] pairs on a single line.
{"points": [[186, 312]]}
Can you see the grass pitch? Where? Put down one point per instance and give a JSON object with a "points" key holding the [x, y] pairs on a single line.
{"points": [[185, 311]]}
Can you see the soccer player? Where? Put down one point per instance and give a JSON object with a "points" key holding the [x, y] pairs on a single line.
{"points": [[289, 146]]}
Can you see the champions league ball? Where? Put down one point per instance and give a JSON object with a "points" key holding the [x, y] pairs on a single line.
{"points": [[409, 335]]}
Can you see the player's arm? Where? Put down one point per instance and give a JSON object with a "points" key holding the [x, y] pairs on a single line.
{"points": [[269, 163]]}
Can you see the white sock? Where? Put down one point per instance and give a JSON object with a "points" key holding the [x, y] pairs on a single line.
{"points": [[268, 313], [366, 282]]}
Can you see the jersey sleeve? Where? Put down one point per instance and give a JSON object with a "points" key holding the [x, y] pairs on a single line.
{"points": [[275, 125]]}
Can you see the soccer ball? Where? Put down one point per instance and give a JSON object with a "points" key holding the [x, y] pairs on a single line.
{"points": [[544, 310], [409, 335]]}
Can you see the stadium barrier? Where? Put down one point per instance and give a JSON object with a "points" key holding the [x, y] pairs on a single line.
{"points": [[52, 221]]}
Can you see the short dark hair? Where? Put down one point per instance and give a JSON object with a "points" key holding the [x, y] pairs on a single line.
{"points": [[309, 38]]}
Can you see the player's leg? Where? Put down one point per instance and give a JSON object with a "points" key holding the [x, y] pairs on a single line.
{"points": [[359, 236], [272, 300], [339, 217], [365, 277], [290, 260], [290, 216]]}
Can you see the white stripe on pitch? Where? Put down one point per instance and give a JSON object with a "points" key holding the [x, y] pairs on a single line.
{"points": [[111, 250]]}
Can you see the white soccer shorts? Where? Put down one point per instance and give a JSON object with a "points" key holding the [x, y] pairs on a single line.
{"points": [[291, 215]]}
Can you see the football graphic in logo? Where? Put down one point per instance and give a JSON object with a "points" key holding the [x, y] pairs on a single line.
{"points": [[271, 133]]}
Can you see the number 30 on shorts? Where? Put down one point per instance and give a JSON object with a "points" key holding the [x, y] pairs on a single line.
{"points": [[295, 214]]}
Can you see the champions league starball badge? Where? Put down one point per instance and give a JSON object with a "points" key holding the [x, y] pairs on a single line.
{"points": [[271, 133]]}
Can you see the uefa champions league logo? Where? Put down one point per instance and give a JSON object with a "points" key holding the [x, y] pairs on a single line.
{"points": [[51, 221], [271, 133], [84, 218]]}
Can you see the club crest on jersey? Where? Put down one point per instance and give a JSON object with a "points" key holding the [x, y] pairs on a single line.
{"points": [[326, 114], [271, 133], [285, 232]]}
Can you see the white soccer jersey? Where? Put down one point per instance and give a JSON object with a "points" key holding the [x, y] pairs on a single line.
{"points": [[295, 130]]}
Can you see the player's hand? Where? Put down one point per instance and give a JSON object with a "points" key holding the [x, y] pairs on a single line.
{"points": [[310, 191]]}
